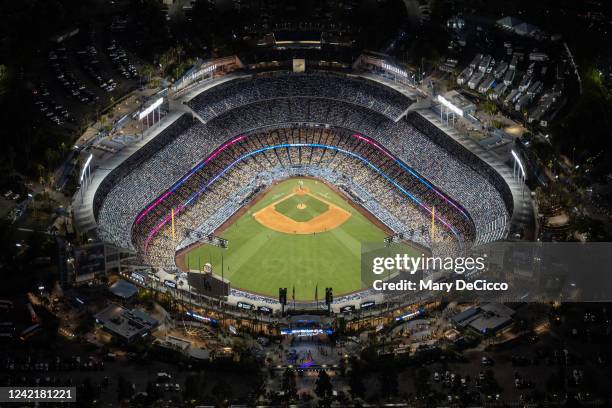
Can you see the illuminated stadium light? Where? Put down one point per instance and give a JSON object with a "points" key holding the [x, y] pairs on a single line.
{"points": [[151, 108], [209, 69], [445, 102], [394, 69], [521, 176], [518, 161], [87, 163]]}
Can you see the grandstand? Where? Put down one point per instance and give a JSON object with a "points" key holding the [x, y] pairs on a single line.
{"points": [[277, 85]]}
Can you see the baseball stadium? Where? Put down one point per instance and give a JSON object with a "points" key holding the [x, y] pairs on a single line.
{"points": [[252, 181]]}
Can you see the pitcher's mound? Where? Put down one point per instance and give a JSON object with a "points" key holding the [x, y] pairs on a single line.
{"points": [[301, 190], [326, 221]]}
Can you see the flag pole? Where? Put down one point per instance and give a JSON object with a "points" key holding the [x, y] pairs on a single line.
{"points": [[172, 215], [433, 224]]}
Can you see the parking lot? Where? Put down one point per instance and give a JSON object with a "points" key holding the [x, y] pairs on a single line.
{"points": [[82, 76]]}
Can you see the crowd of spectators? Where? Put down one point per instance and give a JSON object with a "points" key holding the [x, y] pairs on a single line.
{"points": [[468, 194], [275, 85], [336, 156]]}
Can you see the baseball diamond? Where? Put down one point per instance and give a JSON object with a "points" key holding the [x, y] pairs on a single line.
{"points": [[265, 252]]}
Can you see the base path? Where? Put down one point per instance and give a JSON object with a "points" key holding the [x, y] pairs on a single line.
{"points": [[330, 219]]}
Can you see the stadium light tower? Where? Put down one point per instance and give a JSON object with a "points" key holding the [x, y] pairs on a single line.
{"points": [[282, 299], [85, 175], [447, 108], [518, 171], [151, 110], [329, 298]]}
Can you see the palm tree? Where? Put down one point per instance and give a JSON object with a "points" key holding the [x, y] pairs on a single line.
{"points": [[147, 71]]}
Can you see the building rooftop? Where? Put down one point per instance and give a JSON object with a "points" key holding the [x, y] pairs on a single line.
{"points": [[199, 354], [498, 308], [489, 323], [459, 101], [123, 289], [174, 343], [485, 319], [124, 323], [491, 318], [460, 318]]}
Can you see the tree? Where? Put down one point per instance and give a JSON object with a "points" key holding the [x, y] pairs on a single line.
{"points": [[147, 71], [323, 385], [490, 108]]}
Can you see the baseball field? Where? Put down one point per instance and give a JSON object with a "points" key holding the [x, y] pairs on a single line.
{"points": [[299, 233]]}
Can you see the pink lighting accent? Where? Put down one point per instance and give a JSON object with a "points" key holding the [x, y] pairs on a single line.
{"points": [[382, 149], [185, 178]]}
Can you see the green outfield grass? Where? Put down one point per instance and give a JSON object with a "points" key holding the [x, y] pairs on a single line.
{"points": [[262, 260]]}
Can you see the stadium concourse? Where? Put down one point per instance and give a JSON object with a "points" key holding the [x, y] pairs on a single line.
{"points": [[223, 142]]}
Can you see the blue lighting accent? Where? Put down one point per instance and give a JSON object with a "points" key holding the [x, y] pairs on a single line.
{"points": [[197, 193]]}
